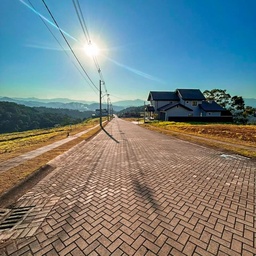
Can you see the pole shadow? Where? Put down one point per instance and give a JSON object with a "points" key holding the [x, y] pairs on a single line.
{"points": [[145, 192], [109, 135]]}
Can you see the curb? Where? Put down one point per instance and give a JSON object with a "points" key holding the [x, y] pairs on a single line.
{"points": [[14, 193], [9, 197]]}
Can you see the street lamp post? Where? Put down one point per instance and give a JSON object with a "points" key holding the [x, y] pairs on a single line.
{"points": [[108, 108], [100, 106]]}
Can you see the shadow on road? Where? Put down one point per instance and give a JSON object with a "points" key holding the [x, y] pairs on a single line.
{"points": [[145, 192], [109, 135]]}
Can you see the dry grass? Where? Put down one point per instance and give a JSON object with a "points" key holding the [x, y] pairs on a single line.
{"points": [[14, 144], [240, 139], [27, 141]]}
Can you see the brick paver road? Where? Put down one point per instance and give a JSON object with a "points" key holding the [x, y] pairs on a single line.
{"points": [[149, 194]]}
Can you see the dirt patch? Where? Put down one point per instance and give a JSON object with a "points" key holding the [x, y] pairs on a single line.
{"points": [[233, 132], [240, 139]]}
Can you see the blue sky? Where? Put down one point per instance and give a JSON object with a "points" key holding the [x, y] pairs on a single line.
{"points": [[144, 45]]}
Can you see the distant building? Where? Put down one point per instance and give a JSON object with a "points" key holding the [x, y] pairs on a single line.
{"points": [[104, 112], [185, 105]]}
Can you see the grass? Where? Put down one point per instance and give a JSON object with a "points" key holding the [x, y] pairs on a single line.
{"points": [[240, 139], [15, 144]]}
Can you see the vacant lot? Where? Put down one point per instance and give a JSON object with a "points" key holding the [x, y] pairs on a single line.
{"points": [[237, 138]]}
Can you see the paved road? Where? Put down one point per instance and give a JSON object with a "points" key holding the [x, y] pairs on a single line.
{"points": [[147, 194]]}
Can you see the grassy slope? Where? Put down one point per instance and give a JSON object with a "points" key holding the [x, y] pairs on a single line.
{"points": [[15, 144]]}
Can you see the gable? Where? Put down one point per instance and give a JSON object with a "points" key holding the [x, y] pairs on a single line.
{"points": [[170, 106], [162, 96], [190, 94]]}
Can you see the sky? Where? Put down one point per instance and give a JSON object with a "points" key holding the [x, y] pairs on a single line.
{"points": [[144, 45]]}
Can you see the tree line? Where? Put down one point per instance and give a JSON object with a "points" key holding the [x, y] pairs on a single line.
{"points": [[16, 118], [132, 112], [234, 104]]}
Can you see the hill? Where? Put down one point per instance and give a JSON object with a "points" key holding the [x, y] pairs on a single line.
{"points": [[70, 104], [129, 103], [131, 112], [15, 117]]}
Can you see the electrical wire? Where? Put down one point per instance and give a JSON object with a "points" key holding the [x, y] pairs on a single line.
{"points": [[69, 45], [81, 20], [61, 45], [88, 39]]}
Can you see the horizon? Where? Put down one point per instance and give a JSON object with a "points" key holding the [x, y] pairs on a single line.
{"points": [[142, 47], [69, 99], [63, 99]]}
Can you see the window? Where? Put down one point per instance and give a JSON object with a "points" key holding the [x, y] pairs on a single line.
{"points": [[194, 103]]}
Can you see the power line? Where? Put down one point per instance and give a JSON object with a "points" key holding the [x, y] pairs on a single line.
{"points": [[81, 20], [60, 45], [69, 45], [87, 36]]}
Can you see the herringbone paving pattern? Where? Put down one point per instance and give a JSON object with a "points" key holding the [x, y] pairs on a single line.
{"points": [[149, 194]]}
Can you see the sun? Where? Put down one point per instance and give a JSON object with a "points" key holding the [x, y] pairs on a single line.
{"points": [[91, 49]]}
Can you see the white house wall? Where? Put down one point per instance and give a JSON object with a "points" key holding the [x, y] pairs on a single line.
{"points": [[178, 111], [159, 104]]}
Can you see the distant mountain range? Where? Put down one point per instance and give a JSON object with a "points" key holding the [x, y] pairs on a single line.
{"points": [[72, 104], [250, 102], [64, 103]]}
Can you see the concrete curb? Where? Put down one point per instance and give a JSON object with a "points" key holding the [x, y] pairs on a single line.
{"points": [[10, 196], [14, 193]]}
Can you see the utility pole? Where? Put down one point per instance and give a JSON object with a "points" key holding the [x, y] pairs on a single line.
{"points": [[108, 107], [144, 112], [100, 106]]}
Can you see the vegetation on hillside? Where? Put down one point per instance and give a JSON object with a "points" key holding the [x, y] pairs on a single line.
{"points": [[16, 118], [132, 112], [236, 105]]}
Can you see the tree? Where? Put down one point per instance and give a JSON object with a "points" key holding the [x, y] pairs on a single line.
{"points": [[237, 108], [249, 111], [234, 104], [237, 103], [15, 117], [219, 96]]}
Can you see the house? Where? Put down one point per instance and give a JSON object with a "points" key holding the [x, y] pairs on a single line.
{"points": [[185, 105], [104, 112]]}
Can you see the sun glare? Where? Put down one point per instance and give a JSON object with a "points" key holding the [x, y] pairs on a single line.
{"points": [[91, 50]]}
